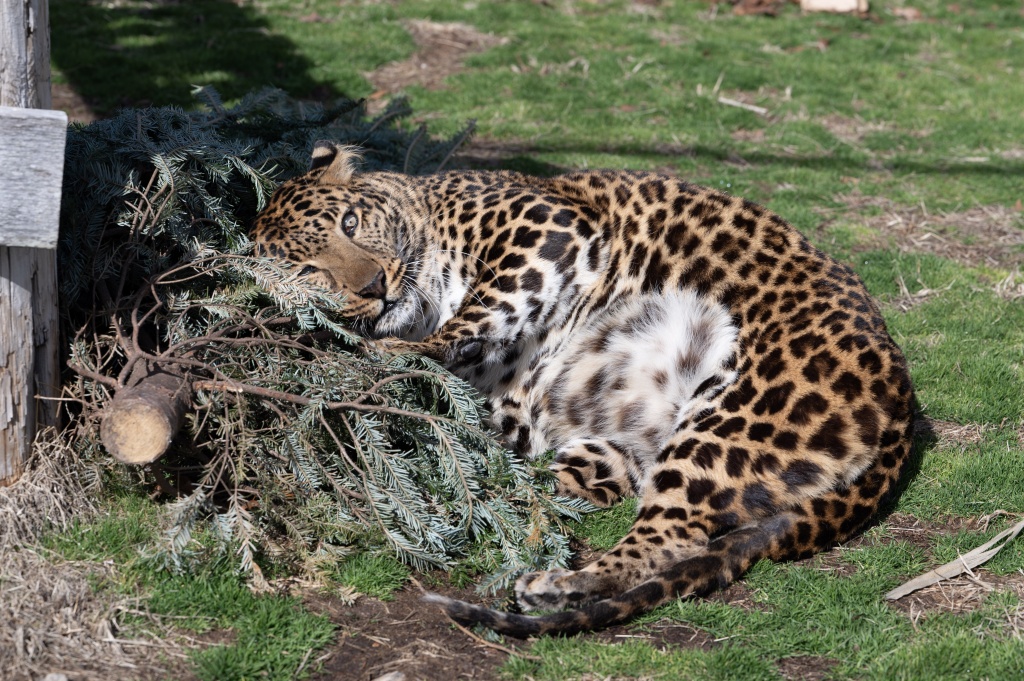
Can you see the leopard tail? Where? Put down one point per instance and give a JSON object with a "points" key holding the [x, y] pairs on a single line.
{"points": [[726, 558]]}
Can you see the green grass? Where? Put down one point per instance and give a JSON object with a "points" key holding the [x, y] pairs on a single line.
{"points": [[918, 113], [968, 481], [372, 574], [271, 636], [965, 345], [604, 528], [801, 611], [572, 658]]}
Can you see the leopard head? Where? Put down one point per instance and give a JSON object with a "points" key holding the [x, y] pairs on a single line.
{"points": [[341, 230]]}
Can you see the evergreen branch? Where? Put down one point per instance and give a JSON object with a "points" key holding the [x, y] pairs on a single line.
{"points": [[297, 428]]}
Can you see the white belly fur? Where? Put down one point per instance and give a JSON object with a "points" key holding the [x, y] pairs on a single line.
{"points": [[631, 372]]}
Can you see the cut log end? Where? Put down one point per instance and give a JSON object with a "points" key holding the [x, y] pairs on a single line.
{"points": [[137, 432], [140, 422]]}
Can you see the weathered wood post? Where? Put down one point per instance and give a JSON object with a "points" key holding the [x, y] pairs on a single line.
{"points": [[31, 168]]}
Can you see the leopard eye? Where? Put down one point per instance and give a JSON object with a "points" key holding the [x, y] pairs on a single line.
{"points": [[349, 223], [307, 270]]}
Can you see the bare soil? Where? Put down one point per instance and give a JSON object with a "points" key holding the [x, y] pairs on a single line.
{"points": [[441, 50], [405, 636], [66, 99], [805, 667], [959, 595], [755, 7], [949, 434]]}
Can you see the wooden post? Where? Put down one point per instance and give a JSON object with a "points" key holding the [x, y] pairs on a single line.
{"points": [[31, 168]]}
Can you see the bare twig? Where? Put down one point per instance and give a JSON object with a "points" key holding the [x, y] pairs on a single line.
{"points": [[759, 110]]}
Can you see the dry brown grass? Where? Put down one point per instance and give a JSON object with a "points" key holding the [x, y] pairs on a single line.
{"points": [[985, 236], [53, 621], [54, 490], [963, 594], [56, 623]]}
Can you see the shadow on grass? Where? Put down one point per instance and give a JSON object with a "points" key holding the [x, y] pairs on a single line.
{"points": [[128, 53], [492, 154], [924, 440]]}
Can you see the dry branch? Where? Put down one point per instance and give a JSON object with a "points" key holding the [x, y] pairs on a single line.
{"points": [[759, 110]]}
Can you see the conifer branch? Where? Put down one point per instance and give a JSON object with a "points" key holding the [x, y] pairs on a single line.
{"points": [[297, 429]]}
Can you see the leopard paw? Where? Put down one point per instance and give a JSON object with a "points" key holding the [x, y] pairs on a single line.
{"points": [[551, 590], [397, 346]]}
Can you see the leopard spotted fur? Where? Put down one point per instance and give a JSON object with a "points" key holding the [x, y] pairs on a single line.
{"points": [[668, 340]]}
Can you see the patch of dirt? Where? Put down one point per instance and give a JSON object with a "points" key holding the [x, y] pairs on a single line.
{"points": [[959, 595], [66, 99], [921, 533], [662, 635], [405, 636], [756, 135], [805, 667], [480, 152], [671, 35], [737, 594], [849, 129], [991, 236], [441, 50], [949, 434], [408, 637], [646, 8], [757, 7], [899, 527]]}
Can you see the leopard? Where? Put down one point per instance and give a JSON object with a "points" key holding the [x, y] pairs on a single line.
{"points": [[668, 341]]}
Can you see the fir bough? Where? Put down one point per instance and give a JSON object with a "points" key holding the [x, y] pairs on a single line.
{"points": [[298, 429]]}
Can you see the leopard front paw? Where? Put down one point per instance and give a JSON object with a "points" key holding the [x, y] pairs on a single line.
{"points": [[463, 352], [397, 346]]}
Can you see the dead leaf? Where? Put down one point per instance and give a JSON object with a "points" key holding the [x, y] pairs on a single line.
{"points": [[962, 564]]}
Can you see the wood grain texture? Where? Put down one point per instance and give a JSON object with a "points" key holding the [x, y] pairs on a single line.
{"points": [[141, 421], [25, 54], [31, 169], [28, 351]]}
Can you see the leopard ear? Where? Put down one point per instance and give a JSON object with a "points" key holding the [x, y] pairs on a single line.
{"points": [[337, 161]]}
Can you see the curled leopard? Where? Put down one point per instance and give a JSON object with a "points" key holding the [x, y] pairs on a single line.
{"points": [[669, 341]]}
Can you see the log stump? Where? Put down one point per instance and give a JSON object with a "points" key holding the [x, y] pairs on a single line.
{"points": [[141, 421]]}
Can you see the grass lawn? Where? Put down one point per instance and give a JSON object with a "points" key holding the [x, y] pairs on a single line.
{"points": [[894, 141]]}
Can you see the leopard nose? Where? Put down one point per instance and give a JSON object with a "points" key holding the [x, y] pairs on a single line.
{"points": [[376, 288]]}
